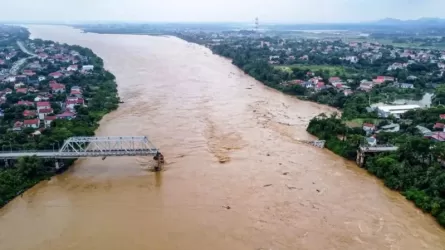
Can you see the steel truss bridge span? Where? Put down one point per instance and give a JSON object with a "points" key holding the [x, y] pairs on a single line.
{"points": [[97, 146]]}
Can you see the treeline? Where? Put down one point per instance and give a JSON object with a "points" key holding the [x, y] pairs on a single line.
{"points": [[416, 169], [100, 93]]}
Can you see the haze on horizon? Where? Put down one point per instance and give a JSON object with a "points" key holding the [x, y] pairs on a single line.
{"points": [[286, 11]]}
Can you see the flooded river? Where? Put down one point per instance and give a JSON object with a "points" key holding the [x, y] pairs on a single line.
{"points": [[200, 111]]}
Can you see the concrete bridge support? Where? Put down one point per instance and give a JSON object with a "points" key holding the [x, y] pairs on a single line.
{"points": [[360, 158]]}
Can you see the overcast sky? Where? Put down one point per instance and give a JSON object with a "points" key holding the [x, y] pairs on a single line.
{"points": [[295, 11]]}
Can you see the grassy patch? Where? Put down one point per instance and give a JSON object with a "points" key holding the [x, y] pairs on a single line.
{"points": [[358, 122], [332, 69]]}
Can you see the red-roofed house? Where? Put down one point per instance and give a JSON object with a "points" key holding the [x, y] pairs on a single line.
{"points": [[56, 75], [334, 79], [75, 92], [439, 125], [45, 112], [338, 85], [29, 113], [57, 87], [437, 136], [28, 72], [48, 120], [67, 115], [369, 128], [442, 116], [72, 68], [2, 62], [17, 126], [320, 86], [32, 123], [347, 92], [382, 79], [25, 103], [22, 90], [42, 56], [43, 105]]}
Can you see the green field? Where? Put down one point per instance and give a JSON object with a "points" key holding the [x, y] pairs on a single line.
{"points": [[358, 122], [332, 69]]}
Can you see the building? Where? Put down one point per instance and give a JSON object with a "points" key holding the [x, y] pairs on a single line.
{"points": [[87, 67], [71, 68], [29, 113], [57, 87], [406, 85], [48, 120], [25, 103], [33, 123], [395, 110], [56, 75], [391, 128], [67, 115], [44, 112], [369, 128], [43, 105]]}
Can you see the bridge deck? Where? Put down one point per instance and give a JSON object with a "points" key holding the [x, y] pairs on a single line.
{"points": [[73, 155], [376, 149]]}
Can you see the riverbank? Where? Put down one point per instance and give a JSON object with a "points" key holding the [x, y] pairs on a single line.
{"points": [[94, 96]]}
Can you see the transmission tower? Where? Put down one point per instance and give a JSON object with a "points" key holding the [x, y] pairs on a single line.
{"points": [[257, 24]]}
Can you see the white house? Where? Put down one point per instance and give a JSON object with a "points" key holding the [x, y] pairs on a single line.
{"points": [[395, 110], [87, 67]]}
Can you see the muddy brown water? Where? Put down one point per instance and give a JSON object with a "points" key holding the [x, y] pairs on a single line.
{"points": [[200, 110]]}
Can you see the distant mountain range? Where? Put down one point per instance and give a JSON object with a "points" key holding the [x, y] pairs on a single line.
{"points": [[425, 21]]}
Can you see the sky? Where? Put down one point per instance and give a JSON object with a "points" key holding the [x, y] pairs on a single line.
{"points": [[277, 11]]}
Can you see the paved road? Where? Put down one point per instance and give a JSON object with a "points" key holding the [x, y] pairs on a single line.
{"points": [[17, 65], [24, 49]]}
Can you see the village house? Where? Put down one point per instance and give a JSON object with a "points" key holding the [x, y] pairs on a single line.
{"points": [[369, 128], [28, 72], [29, 113], [439, 126], [8, 91], [366, 85], [32, 123], [406, 85], [17, 126], [334, 79], [45, 112], [72, 68], [56, 75], [57, 87], [347, 92], [382, 79], [22, 90], [48, 120], [40, 98], [26, 103], [87, 67], [41, 78], [67, 115], [43, 105], [42, 56]]}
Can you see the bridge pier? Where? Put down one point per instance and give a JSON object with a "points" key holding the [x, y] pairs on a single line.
{"points": [[360, 158]]}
